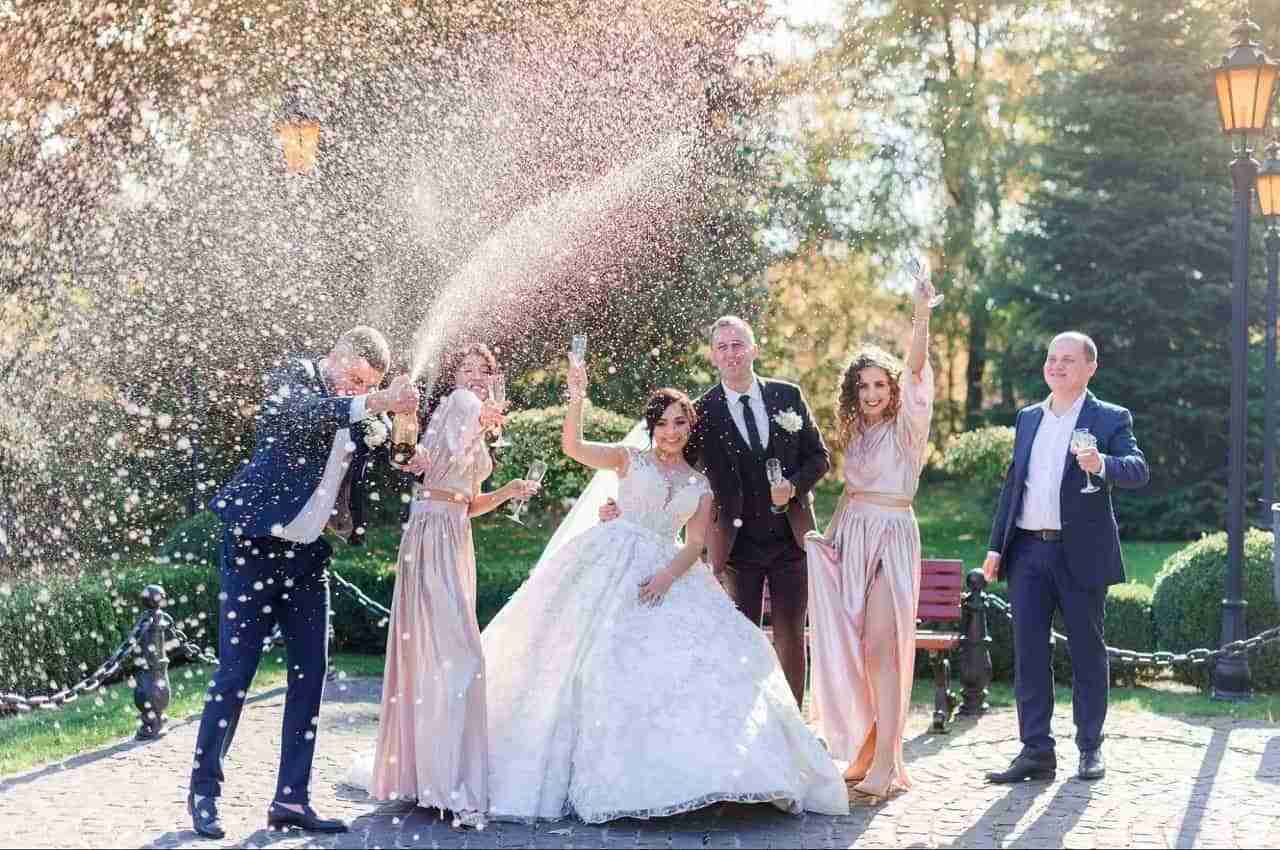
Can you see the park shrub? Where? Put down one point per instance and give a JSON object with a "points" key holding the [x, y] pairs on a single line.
{"points": [[1187, 603], [980, 456], [197, 539], [535, 435]]}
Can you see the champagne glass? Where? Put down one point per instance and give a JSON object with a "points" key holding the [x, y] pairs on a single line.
{"points": [[1081, 440], [916, 269], [773, 470], [578, 350], [537, 469], [498, 395]]}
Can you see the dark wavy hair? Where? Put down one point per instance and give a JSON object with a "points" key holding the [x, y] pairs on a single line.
{"points": [[849, 422], [657, 404], [447, 377]]}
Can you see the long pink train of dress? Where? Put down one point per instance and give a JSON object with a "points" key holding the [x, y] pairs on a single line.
{"points": [[865, 540], [433, 729]]}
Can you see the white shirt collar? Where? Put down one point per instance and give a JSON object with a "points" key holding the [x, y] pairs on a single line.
{"points": [[1072, 412], [755, 393]]}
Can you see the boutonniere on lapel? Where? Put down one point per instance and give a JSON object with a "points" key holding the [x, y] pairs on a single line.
{"points": [[788, 420], [375, 431]]}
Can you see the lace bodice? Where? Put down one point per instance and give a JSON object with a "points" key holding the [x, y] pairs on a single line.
{"points": [[647, 499]]}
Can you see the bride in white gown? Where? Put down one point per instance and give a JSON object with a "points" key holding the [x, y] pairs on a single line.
{"points": [[622, 682]]}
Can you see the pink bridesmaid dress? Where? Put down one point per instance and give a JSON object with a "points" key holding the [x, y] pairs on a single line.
{"points": [[864, 583], [433, 728]]}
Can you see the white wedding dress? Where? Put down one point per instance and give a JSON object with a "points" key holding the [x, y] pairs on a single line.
{"points": [[603, 708]]}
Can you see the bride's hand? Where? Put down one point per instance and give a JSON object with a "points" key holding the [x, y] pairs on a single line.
{"points": [[420, 461], [577, 382], [655, 587]]}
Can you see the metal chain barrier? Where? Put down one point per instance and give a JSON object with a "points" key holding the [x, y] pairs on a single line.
{"points": [[1133, 658], [360, 597], [108, 668], [184, 646]]}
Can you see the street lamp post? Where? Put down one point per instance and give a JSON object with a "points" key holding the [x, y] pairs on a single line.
{"points": [[1269, 201], [1244, 83]]}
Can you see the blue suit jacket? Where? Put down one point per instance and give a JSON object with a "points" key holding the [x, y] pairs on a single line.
{"points": [[295, 429], [1089, 531]]}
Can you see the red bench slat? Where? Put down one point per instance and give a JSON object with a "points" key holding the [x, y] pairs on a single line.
{"points": [[945, 613]]}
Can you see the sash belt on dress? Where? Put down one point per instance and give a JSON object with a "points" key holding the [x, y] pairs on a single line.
{"points": [[884, 500]]}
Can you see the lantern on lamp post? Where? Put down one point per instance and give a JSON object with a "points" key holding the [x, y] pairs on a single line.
{"points": [[1244, 83], [298, 134]]}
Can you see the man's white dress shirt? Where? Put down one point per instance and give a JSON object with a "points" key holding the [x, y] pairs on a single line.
{"points": [[310, 522], [756, 395]]}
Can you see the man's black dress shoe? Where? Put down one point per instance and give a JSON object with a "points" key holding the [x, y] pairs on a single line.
{"points": [[1027, 766], [204, 818], [1091, 765], [280, 817]]}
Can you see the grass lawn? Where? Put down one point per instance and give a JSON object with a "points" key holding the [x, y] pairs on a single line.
{"points": [[108, 716]]}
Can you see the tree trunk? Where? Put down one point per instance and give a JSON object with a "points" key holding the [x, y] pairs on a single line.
{"points": [[977, 365]]}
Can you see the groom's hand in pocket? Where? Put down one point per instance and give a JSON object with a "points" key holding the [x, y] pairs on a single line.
{"points": [[609, 511]]}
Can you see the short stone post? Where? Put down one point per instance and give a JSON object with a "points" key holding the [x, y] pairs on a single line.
{"points": [[151, 691], [975, 646]]}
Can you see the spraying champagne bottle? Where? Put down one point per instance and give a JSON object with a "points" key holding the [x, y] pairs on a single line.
{"points": [[404, 437]]}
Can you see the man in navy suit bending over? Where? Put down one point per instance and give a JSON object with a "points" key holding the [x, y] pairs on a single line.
{"points": [[1059, 549], [306, 476]]}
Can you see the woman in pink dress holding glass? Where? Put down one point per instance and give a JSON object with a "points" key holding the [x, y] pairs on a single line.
{"points": [[432, 743], [864, 574]]}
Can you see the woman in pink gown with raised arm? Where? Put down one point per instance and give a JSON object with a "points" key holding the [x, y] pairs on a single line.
{"points": [[432, 745], [864, 574]]}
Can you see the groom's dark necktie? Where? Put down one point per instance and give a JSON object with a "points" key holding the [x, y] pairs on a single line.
{"points": [[753, 433]]}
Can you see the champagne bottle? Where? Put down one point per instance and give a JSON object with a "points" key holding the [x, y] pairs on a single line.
{"points": [[404, 437]]}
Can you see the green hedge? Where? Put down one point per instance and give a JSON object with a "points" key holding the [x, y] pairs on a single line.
{"points": [[1187, 605], [64, 629], [536, 435], [980, 456]]}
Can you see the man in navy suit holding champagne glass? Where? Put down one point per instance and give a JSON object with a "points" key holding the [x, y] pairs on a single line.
{"points": [[1055, 541], [316, 428]]}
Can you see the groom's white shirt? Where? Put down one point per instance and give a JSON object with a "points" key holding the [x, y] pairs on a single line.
{"points": [[309, 524], [756, 394]]}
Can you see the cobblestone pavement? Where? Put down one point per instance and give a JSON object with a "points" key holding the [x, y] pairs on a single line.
{"points": [[1170, 783]]}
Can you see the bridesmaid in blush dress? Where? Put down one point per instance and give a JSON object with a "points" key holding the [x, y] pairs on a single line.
{"points": [[864, 574], [432, 743]]}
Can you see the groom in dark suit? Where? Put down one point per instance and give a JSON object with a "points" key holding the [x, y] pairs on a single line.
{"points": [[313, 441], [1059, 549], [742, 422]]}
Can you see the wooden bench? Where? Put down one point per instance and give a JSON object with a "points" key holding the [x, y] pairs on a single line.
{"points": [[941, 591]]}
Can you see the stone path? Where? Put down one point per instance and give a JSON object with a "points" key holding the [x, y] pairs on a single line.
{"points": [[1170, 783]]}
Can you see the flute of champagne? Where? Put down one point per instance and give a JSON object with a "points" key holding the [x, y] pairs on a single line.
{"points": [[773, 470], [578, 350], [498, 395], [537, 469], [1082, 440], [916, 269]]}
